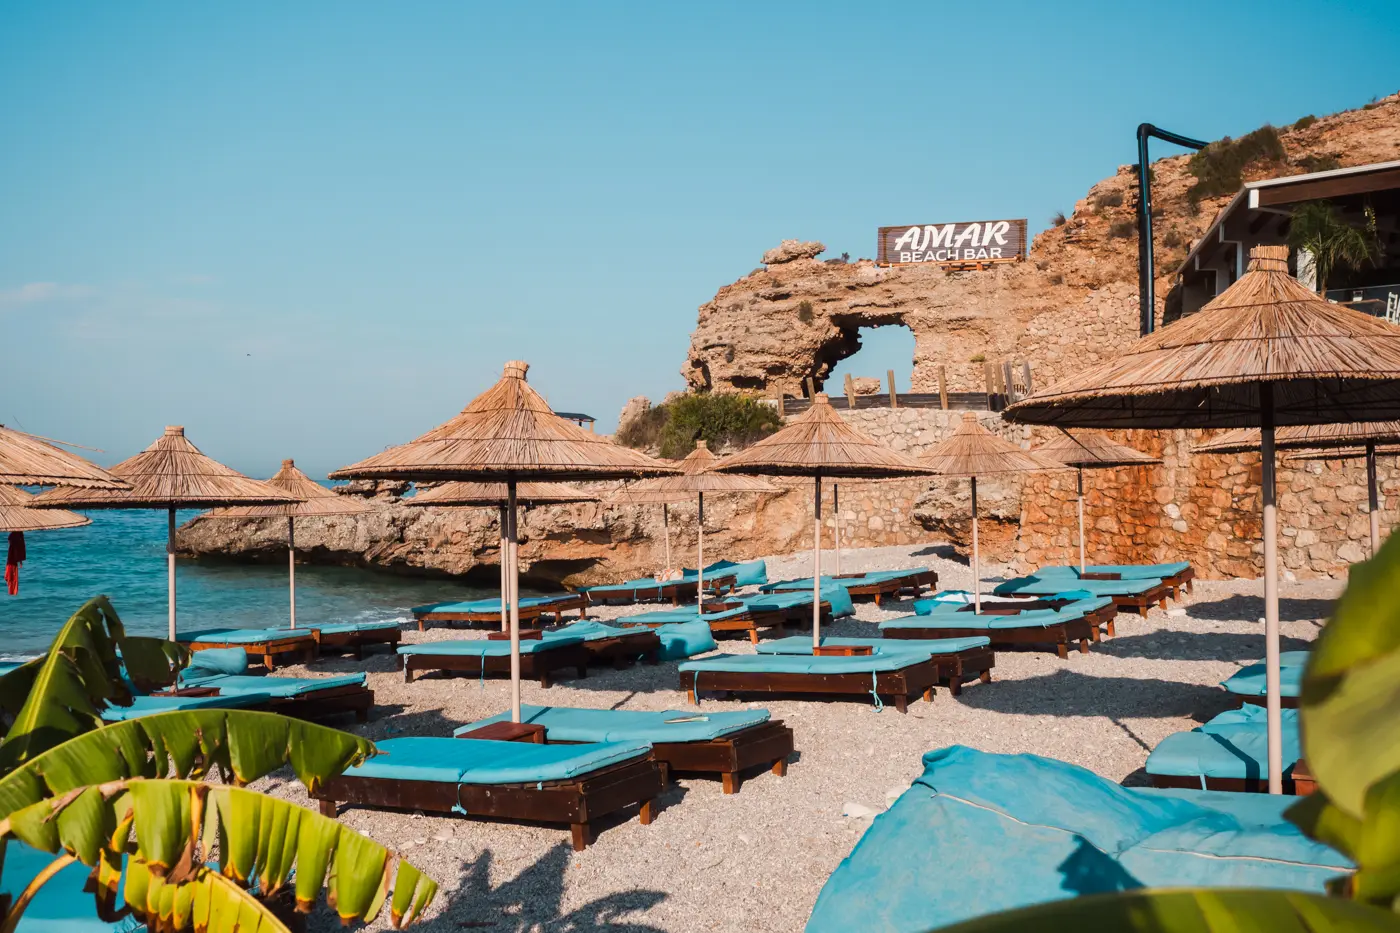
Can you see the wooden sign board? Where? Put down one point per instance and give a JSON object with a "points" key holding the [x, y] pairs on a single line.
{"points": [[965, 244]]}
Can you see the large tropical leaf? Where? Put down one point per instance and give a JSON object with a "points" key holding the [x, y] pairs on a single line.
{"points": [[1219, 910], [262, 843], [1350, 712], [245, 744]]}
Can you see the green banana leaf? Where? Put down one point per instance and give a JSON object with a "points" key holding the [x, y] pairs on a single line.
{"points": [[1217, 910], [1350, 715], [262, 843], [54, 698]]}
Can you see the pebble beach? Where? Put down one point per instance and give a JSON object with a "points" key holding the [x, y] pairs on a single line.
{"points": [[757, 860]]}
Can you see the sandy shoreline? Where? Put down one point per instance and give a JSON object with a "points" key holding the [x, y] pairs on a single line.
{"points": [[756, 860]]}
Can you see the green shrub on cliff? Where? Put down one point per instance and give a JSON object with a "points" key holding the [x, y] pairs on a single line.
{"points": [[1219, 168], [718, 418]]}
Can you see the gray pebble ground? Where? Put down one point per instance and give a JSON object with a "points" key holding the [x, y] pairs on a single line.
{"points": [[755, 861]]}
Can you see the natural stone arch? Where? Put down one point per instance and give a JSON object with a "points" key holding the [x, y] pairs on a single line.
{"points": [[847, 343]]}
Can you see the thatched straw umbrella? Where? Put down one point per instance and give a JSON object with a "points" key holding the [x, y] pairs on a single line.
{"points": [[1090, 452], [696, 478], [16, 517], [1321, 442], [495, 495], [170, 474], [973, 451], [315, 501], [1265, 353], [818, 443], [27, 460], [507, 434]]}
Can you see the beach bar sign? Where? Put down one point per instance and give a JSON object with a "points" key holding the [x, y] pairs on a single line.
{"points": [[973, 243]]}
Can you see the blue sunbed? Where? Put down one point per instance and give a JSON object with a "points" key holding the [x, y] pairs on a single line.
{"points": [[1047, 830], [150, 705], [466, 776], [1123, 571], [960, 660], [745, 573], [1075, 622], [897, 674], [1249, 681], [1231, 752], [1073, 602], [1139, 593], [354, 636], [874, 583], [488, 611], [539, 657], [272, 645], [223, 669], [799, 602]]}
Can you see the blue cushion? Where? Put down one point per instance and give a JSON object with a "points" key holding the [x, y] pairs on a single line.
{"points": [[342, 628], [218, 661], [149, 705], [61, 905], [835, 596], [246, 636], [746, 573], [568, 724], [643, 585], [588, 630], [1048, 830], [1234, 744], [481, 761], [491, 605], [490, 648], [1249, 680], [806, 664], [280, 687], [1053, 585], [802, 644], [685, 639]]}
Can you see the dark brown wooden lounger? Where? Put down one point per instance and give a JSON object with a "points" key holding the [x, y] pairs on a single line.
{"points": [[677, 591], [578, 801], [1175, 582], [296, 649], [623, 650], [1059, 635], [528, 614], [355, 642], [890, 586], [324, 704], [918, 679], [1234, 785], [536, 665]]}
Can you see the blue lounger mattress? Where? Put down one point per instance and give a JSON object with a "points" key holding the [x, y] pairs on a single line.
{"points": [[492, 605], [277, 687], [806, 664], [835, 596], [1124, 571], [1233, 745], [681, 615], [149, 705], [1080, 604], [1048, 830], [245, 636], [1249, 681], [746, 573], [870, 576], [1055, 585], [489, 648], [354, 628], [591, 631], [802, 644], [1034, 618], [568, 724], [482, 761]]}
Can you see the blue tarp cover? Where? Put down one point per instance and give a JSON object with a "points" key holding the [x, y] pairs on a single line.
{"points": [[979, 833], [61, 905], [568, 724]]}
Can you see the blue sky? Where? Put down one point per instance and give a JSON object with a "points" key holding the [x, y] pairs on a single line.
{"points": [[317, 229]]}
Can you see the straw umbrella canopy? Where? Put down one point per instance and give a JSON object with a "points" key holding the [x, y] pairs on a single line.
{"points": [[696, 478], [495, 495], [17, 517], [170, 474], [315, 501], [26, 460], [507, 434], [1090, 452], [1264, 353], [1322, 442], [817, 443], [973, 451]]}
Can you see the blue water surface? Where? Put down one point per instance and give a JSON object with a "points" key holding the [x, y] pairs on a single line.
{"points": [[122, 554]]}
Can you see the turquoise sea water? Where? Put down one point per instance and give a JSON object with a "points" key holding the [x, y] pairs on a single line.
{"points": [[122, 554]]}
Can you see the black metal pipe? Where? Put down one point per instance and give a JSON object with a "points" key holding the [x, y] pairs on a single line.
{"points": [[1146, 271]]}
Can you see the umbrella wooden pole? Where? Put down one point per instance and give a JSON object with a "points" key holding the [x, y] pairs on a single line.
{"points": [[976, 563], [170, 570], [1373, 500], [836, 524], [1274, 710], [1081, 520], [505, 574], [817, 567], [700, 556], [666, 531], [514, 544], [292, 567]]}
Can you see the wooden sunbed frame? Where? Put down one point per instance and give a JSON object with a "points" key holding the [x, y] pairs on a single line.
{"points": [[622, 650], [749, 622], [311, 705], [1177, 581], [273, 651], [1082, 630], [537, 665], [915, 580], [677, 591], [767, 744], [917, 679], [577, 801], [355, 642], [1235, 785], [492, 617], [963, 667], [1284, 702]]}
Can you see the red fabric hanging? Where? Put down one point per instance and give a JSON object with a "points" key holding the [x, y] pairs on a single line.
{"points": [[14, 556]]}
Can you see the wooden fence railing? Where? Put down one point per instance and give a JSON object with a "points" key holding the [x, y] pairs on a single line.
{"points": [[1006, 382]]}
